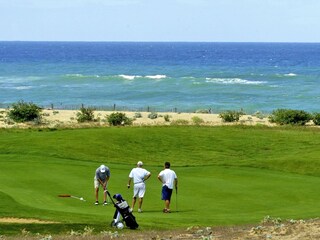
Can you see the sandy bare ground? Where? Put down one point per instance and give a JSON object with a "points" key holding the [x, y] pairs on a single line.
{"points": [[267, 229], [68, 118]]}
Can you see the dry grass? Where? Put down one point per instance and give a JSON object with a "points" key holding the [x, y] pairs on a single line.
{"points": [[288, 230]]}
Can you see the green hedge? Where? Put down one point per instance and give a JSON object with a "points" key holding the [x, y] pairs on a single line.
{"points": [[290, 116]]}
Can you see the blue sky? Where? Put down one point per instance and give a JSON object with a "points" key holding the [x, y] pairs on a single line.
{"points": [[161, 20]]}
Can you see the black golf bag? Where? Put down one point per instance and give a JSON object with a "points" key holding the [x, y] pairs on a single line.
{"points": [[123, 209]]}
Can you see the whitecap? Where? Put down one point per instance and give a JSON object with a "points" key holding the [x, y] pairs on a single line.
{"points": [[23, 87], [74, 75], [233, 81], [156, 76], [129, 77], [290, 75]]}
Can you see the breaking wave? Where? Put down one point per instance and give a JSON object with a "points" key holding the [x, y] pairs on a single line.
{"points": [[233, 81]]}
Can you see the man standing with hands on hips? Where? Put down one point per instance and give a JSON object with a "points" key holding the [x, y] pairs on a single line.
{"points": [[138, 175], [169, 179], [101, 177]]}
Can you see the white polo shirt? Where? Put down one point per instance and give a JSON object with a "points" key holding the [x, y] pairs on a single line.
{"points": [[138, 174], [168, 176]]}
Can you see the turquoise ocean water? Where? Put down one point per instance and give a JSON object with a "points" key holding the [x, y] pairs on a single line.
{"points": [[162, 76]]}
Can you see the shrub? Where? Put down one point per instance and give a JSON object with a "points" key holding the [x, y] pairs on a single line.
{"points": [[202, 111], [166, 118], [290, 116], [197, 120], [85, 115], [138, 115], [259, 115], [153, 115], [316, 118], [180, 122], [231, 116], [117, 119], [24, 112]]}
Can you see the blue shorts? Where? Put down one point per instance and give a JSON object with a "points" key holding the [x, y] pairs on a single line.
{"points": [[166, 193]]}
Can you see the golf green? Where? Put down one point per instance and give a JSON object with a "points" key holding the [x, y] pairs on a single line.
{"points": [[37, 166]]}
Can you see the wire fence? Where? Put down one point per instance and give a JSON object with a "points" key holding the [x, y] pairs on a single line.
{"points": [[114, 107]]}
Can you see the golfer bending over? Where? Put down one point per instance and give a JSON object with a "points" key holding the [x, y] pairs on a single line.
{"points": [[101, 178], [169, 179], [139, 175]]}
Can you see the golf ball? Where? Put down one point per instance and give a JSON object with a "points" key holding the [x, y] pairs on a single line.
{"points": [[81, 198], [120, 225]]}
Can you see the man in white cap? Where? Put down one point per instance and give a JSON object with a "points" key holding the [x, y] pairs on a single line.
{"points": [[101, 178], [138, 175]]}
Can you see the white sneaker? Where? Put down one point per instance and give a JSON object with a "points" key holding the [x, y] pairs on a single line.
{"points": [[139, 210]]}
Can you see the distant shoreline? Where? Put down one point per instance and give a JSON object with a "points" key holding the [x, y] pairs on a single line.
{"points": [[68, 118]]}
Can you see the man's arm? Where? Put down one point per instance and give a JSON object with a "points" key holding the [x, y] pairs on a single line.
{"points": [[147, 177], [160, 179]]}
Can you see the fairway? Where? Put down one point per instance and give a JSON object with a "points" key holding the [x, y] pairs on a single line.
{"points": [[222, 180]]}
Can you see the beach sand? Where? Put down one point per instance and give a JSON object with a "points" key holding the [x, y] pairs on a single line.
{"points": [[68, 118]]}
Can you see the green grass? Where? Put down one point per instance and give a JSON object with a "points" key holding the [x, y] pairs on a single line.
{"points": [[227, 175]]}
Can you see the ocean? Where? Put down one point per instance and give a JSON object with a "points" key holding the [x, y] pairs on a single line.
{"points": [[182, 77]]}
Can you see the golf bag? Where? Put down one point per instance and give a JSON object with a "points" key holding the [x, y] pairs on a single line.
{"points": [[122, 209]]}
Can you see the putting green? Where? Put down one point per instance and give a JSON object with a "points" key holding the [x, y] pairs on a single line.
{"points": [[211, 195]]}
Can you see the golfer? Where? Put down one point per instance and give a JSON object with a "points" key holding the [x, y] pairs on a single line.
{"points": [[169, 179], [101, 178], [138, 175]]}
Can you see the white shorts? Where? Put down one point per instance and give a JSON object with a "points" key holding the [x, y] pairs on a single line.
{"points": [[139, 190]]}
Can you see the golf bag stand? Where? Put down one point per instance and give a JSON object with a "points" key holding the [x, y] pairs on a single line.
{"points": [[123, 209]]}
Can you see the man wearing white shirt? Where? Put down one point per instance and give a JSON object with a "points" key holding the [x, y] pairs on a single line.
{"points": [[169, 179], [138, 175]]}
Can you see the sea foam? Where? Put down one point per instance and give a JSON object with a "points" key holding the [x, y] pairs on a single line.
{"points": [[156, 76], [129, 77], [233, 81], [290, 75]]}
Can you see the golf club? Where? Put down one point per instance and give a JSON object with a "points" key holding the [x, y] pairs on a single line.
{"points": [[176, 199], [68, 195]]}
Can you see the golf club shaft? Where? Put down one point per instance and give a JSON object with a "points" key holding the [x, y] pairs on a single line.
{"points": [[176, 200], [81, 199]]}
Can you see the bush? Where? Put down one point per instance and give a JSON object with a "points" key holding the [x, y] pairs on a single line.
{"points": [[231, 116], [24, 112], [85, 115], [166, 118], [153, 115], [316, 118], [290, 116], [203, 111], [180, 122], [197, 120], [117, 119], [138, 115]]}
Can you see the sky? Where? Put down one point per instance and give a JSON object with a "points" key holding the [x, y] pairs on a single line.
{"points": [[160, 20]]}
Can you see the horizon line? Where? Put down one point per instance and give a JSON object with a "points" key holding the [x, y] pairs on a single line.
{"points": [[101, 41]]}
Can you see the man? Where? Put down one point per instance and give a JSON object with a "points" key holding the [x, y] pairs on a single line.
{"points": [[168, 178], [101, 178], [138, 175]]}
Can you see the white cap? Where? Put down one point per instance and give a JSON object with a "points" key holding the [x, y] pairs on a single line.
{"points": [[103, 168], [139, 163]]}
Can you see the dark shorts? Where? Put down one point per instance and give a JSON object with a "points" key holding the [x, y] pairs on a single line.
{"points": [[166, 193]]}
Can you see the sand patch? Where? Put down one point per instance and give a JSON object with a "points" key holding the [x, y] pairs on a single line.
{"points": [[24, 220], [68, 118]]}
